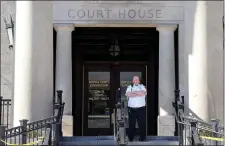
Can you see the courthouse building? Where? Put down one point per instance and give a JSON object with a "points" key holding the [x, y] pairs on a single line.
{"points": [[89, 49]]}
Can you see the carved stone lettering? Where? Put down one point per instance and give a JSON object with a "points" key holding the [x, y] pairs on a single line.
{"points": [[90, 14]]}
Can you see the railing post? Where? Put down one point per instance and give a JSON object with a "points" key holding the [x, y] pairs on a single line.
{"points": [[49, 125], [182, 100], [53, 105], [180, 126], [177, 99], [57, 133], [1, 110], [59, 95], [23, 123], [193, 128], [195, 140], [120, 120], [2, 135], [177, 95], [214, 123]]}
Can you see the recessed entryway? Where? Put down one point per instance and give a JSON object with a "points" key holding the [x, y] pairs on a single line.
{"points": [[105, 59]]}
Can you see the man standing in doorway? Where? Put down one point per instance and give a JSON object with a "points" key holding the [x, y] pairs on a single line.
{"points": [[136, 94]]}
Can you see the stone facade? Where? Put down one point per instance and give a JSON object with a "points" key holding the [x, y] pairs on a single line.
{"points": [[7, 63], [7, 9], [214, 32], [215, 59], [166, 126]]}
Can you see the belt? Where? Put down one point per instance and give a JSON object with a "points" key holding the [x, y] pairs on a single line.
{"points": [[136, 107]]}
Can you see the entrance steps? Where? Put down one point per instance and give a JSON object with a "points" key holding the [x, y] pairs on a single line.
{"points": [[110, 140]]}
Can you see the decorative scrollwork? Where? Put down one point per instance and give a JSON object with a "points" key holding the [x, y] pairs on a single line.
{"points": [[13, 132]]}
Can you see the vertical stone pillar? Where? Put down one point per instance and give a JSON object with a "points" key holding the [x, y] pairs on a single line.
{"points": [[64, 63], [166, 79], [33, 79], [198, 97], [64, 72]]}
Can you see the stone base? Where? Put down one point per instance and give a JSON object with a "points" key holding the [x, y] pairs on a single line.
{"points": [[67, 125], [166, 125]]}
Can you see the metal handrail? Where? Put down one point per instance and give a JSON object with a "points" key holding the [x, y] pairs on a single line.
{"points": [[201, 122], [4, 111], [194, 126], [28, 133]]}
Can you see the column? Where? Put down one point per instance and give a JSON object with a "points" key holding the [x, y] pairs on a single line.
{"points": [[33, 79], [64, 73], [166, 79], [198, 83], [64, 63]]}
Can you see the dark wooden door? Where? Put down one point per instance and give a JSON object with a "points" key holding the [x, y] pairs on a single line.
{"points": [[100, 84]]}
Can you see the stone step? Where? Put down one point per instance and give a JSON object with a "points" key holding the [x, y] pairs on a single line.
{"points": [[93, 143], [113, 143], [110, 140], [154, 142]]}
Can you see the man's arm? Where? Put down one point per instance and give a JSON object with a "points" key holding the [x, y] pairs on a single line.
{"points": [[129, 93], [142, 92]]}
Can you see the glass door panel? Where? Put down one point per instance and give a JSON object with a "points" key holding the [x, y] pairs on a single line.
{"points": [[98, 99]]}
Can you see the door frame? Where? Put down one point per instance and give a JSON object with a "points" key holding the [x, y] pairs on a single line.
{"points": [[85, 129], [114, 68]]}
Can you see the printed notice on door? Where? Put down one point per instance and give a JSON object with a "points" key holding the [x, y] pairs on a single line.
{"points": [[98, 108]]}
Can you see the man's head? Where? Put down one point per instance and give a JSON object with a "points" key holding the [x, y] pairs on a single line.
{"points": [[136, 80]]}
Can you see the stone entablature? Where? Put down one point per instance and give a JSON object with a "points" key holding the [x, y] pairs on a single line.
{"points": [[117, 12]]}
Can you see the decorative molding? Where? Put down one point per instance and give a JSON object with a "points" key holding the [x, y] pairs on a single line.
{"points": [[166, 27], [63, 27]]}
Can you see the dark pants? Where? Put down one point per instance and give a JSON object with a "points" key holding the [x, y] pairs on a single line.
{"points": [[138, 114]]}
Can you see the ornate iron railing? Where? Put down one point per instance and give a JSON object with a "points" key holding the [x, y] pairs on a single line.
{"points": [[42, 132], [192, 131], [5, 110]]}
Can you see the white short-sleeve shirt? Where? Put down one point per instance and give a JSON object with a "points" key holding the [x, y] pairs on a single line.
{"points": [[136, 102]]}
